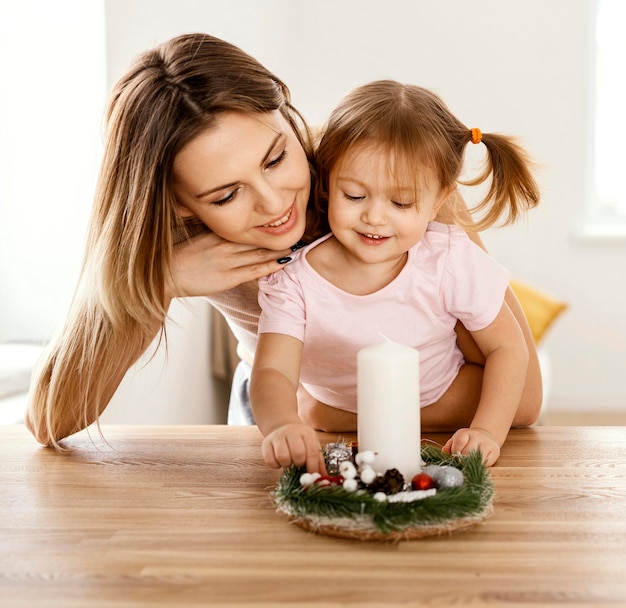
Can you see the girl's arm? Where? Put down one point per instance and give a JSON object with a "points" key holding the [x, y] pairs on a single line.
{"points": [[506, 362], [273, 386]]}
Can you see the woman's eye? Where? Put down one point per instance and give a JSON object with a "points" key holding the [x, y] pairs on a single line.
{"points": [[227, 199], [276, 161]]}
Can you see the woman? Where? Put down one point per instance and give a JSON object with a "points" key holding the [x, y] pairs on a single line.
{"points": [[204, 187]]}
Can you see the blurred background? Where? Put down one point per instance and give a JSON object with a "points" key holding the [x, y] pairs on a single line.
{"points": [[512, 67]]}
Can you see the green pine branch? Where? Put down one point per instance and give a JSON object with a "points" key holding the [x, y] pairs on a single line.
{"points": [[472, 498]]}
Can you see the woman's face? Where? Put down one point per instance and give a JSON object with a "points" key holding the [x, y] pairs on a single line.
{"points": [[247, 178]]}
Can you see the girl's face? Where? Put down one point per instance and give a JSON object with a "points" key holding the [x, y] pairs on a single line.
{"points": [[371, 214], [247, 179]]}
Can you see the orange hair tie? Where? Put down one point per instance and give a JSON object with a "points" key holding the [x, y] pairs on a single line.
{"points": [[477, 136]]}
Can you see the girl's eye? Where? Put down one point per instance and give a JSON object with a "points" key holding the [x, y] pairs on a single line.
{"points": [[353, 198], [276, 161], [400, 205]]}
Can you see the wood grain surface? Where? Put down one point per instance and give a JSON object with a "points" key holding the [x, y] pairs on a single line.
{"points": [[182, 516]]}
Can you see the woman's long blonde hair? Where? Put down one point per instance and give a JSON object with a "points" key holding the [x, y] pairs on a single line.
{"points": [[418, 129], [168, 96]]}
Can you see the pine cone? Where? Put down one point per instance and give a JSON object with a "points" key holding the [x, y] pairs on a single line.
{"points": [[389, 483]]}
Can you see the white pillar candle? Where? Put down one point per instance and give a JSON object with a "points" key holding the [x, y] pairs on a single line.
{"points": [[388, 401]]}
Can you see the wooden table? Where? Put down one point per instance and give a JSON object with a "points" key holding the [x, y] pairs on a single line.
{"points": [[181, 516]]}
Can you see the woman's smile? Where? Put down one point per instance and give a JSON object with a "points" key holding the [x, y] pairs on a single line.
{"points": [[284, 223]]}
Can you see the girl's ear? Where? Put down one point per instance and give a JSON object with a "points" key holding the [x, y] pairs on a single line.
{"points": [[445, 195]]}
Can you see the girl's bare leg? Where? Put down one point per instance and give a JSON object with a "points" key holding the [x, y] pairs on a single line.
{"points": [[456, 408], [324, 417]]}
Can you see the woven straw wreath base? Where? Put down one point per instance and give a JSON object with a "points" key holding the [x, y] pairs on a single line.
{"points": [[333, 511], [361, 528]]}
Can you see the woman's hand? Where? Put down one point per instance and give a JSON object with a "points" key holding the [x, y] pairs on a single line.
{"points": [[294, 444], [465, 441], [208, 264]]}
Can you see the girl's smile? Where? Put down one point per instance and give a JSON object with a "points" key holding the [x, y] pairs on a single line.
{"points": [[373, 240]]}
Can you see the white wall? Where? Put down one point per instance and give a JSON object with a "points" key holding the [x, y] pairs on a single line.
{"points": [[502, 66], [52, 61], [173, 385]]}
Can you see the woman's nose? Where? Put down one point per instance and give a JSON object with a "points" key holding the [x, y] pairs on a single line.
{"points": [[269, 199]]}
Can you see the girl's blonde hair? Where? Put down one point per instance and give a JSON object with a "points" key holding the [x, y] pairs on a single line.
{"points": [[167, 97], [419, 131]]}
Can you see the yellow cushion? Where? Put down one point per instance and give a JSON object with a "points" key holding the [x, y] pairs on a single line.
{"points": [[540, 309]]}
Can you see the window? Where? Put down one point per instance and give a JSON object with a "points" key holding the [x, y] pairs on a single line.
{"points": [[607, 207]]}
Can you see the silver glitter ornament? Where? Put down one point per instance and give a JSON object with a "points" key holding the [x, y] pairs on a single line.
{"points": [[335, 454], [449, 477], [444, 476], [432, 470]]}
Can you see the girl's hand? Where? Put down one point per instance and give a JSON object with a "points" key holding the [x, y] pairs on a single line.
{"points": [[465, 441], [294, 443], [208, 264]]}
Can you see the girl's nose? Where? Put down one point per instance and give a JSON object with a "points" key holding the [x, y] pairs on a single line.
{"points": [[374, 213]]}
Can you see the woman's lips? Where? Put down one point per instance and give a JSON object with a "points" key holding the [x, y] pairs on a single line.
{"points": [[284, 223]]}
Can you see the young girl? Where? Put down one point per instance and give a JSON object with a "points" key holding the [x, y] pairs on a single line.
{"points": [[204, 187], [389, 158]]}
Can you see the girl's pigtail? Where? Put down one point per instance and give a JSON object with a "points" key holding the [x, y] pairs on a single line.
{"points": [[512, 190]]}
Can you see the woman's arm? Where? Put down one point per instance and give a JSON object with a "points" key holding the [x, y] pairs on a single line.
{"points": [[273, 386]]}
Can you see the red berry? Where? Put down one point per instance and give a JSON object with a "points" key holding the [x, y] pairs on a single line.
{"points": [[333, 480], [422, 482]]}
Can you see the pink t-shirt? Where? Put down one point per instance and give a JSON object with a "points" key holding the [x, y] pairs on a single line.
{"points": [[446, 277]]}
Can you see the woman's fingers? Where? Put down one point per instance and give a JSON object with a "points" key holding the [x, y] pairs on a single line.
{"points": [[208, 264]]}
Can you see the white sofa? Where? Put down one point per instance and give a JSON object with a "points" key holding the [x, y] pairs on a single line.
{"points": [[16, 365]]}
